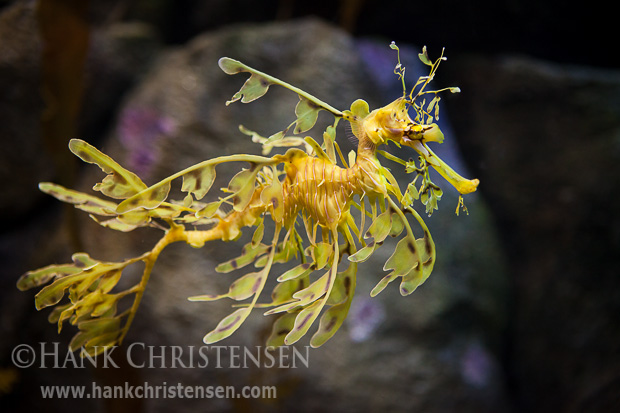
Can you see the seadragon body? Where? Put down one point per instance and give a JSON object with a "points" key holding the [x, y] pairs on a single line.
{"points": [[301, 188]]}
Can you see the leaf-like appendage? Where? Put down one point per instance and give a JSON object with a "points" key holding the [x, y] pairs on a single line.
{"points": [[232, 67], [364, 253], [320, 254], [79, 281], [330, 322], [149, 198], [248, 256], [119, 183], [329, 139], [424, 57], [204, 172], [209, 210], [301, 270], [415, 277], [410, 195], [344, 286], [283, 293], [405, 257], [273, 195], [398, 225], [253, 88], [96, 334], [320, 288], [307, 113], [227, 326], [92, 307], [85, 202], [303, 322], [281, 327], [54, 292], [430, 195], [124, 222], [382, 284], [279, 142], [243, 288], [242, 186], [44, 275], [246, 286], [258, 235], [340, 299], [115, 224], [316, 290], [380, 227]]}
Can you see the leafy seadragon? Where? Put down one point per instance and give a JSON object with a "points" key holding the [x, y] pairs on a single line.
{"points": [[304, 188]]}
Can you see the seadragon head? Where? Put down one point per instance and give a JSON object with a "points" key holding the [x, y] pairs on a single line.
{"points": [[393, 122]]}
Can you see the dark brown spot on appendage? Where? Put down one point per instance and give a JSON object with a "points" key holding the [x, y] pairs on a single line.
{"points": [[427, 245], [428, 262], [404, 291], [153, 195], [80, 264], [313, 105], [282, 332], [229, 325], [264, 82], [256, 285], [347, 285], [85, 156], [234, 264], [275, 202], [305, 266], [371, 244], [119, 179], [331, 324], [411, 247], [305, 320], [197, 175]]}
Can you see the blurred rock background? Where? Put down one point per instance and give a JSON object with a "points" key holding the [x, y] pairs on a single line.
{"points": [[522, 312]]}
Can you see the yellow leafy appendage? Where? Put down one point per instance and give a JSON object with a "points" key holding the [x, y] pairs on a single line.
{"points": [[307, 195]]}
